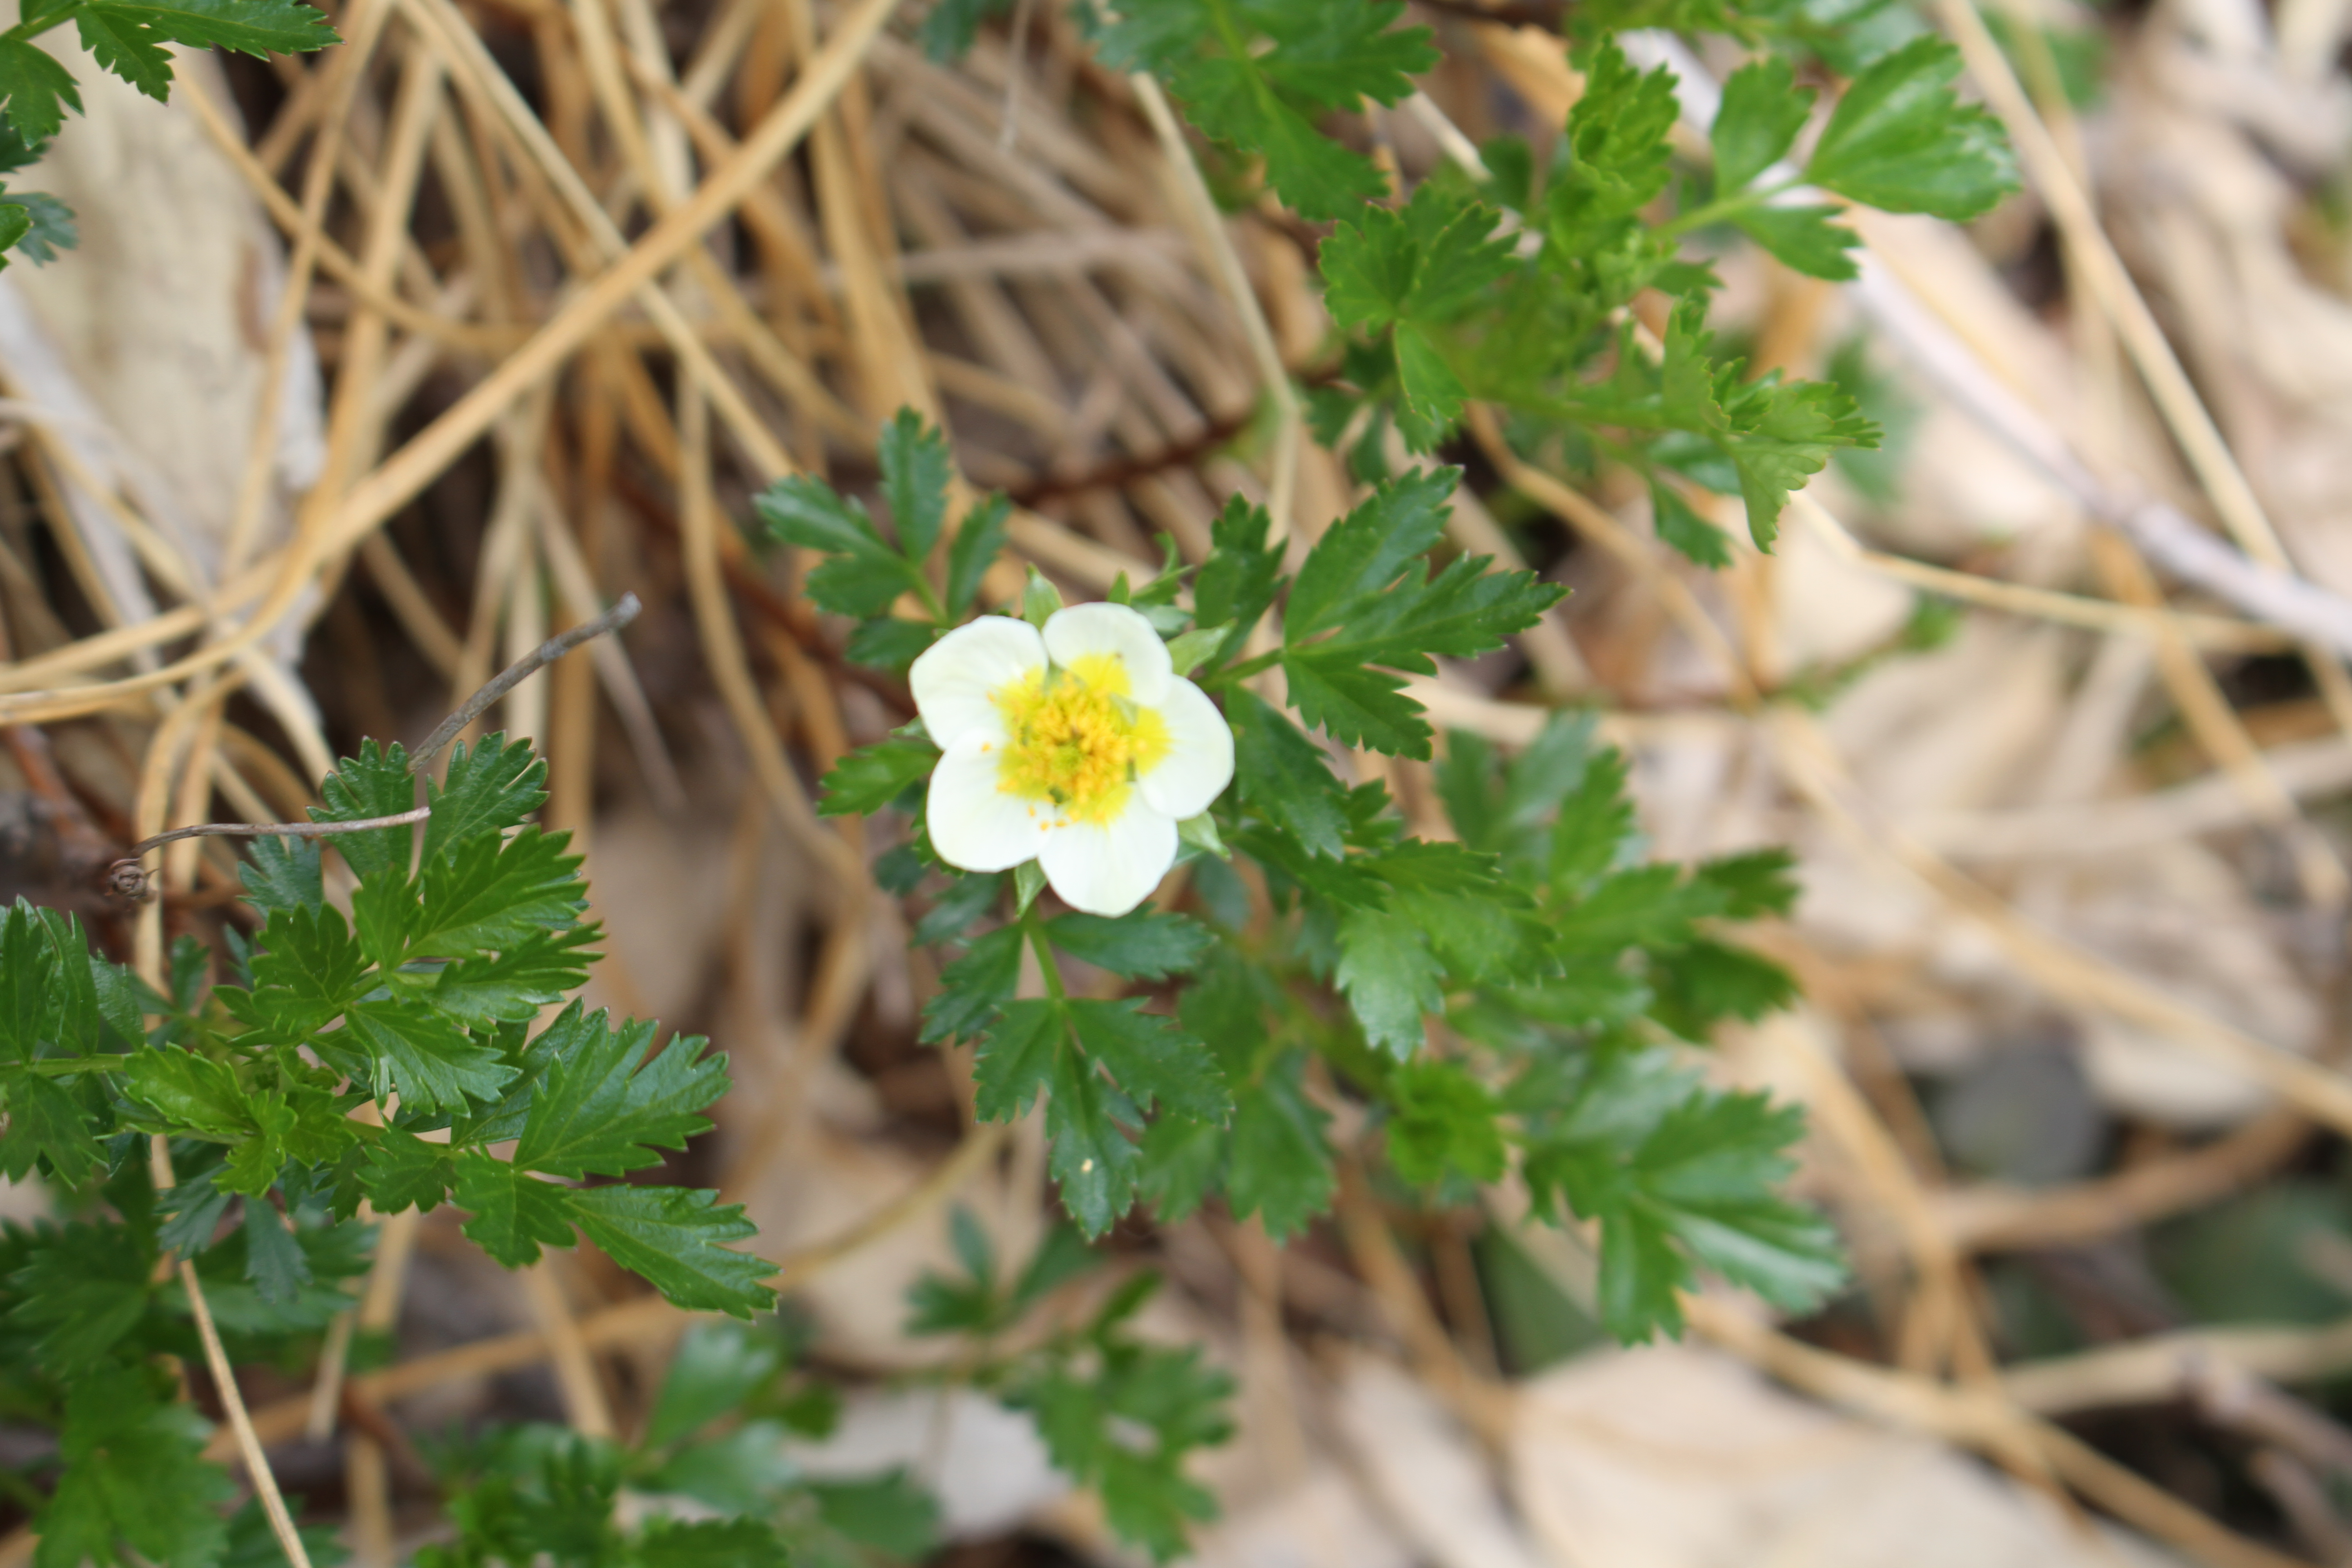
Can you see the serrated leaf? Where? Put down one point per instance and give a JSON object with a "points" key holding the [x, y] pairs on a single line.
{"points": [[493, 786], [978, 540], [401, 1170], [41, 225], [493, 893], [1179, 1166], [604, 1109], [37, 89], [1900, 139], [1153, 1060], [974, 986], [1363, 554], [1680, 526], [1444, 1125], [671, 1237], [46, 1121], [1279, 1167], [1595, 819], [1144, 945], [1807, 239], [512, 986], [1238, 582], [1018, 1058], [1389, 978], [1281, 775], [1092, 1160], [515, 1213], [193, 1093], [246, 26], [1703, 981], [862, 575], [433, 1063], [376, 783], [310, 970], [888, 643], [916, 471], [709, 1543], [1762, 110], [871, 777], [27, 966], [283, 874], [715, 1369], [80, 1289], [1758, 882], [135, 1480]]}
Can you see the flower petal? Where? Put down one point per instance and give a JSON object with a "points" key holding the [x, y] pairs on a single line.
{"points": [[1121, 632], [1109, 867], [975, 825], [1199, 759], [957, 676]]}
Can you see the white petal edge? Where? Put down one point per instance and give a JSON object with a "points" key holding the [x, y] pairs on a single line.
{"points": [[1082, 629], [957, 674], [1108, 869], [975, 825], [1199, 759]]}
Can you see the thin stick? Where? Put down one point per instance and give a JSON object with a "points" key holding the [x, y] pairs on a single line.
{"points": [[257, 1463], [521, 671], [276, 829]]}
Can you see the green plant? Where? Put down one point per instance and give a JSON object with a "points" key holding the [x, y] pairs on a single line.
{"points": [[129, 38]]}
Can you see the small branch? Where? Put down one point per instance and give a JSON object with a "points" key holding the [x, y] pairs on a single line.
{"points": [[248, 1445], [277, 829], [521, 671]]}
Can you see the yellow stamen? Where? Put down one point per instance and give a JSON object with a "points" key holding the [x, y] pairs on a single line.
{"points": [[1074, 739]]}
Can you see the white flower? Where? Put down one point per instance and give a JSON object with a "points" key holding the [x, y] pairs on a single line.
{"points": [[1082, 747]]}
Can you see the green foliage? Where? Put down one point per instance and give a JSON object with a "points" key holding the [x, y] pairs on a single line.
{"points": [[428, 994], [1549, 952], [1258, 74], [866, 573], [128, 38]]}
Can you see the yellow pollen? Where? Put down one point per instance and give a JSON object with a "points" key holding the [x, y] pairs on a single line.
{"points": [[1073, 737]]}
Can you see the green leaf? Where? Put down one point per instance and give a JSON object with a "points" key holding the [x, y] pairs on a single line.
{"points": [[888, 643], [194, 1093], [974, 986], [493, 893], [45, 227], [891, 1513], [1280, 1162], [872, 776], [401, 1170], [1707, 980], [709, 1543], [135, 1480], [1141, 946], [27, 960], [1091, 1157], [376, 783], [309, 972], [1282, 775], [1180, 1161], [862, 575], [46, 1121], [275, 1263], [1153, 1060], [1389, 978], [1595, 819], [979, 538], [515, 1213], [1680, 526], [1444, 1125], [715, 1369], [605, 1108], [38, 89], [1901, 139], [1428, 263], [1806, 238], [916, 471], [1762, 110], [1256, 76], [512, 986], [433, 1063], [1018, 1058], [1759, 882], [80, 1290], [489, 788], [1364, 579], [246, 26], [283, 874], [672, 1238], [1238, 582]]}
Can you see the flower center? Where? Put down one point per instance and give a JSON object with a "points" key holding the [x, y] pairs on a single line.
{"points": [[1076, 740]]}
